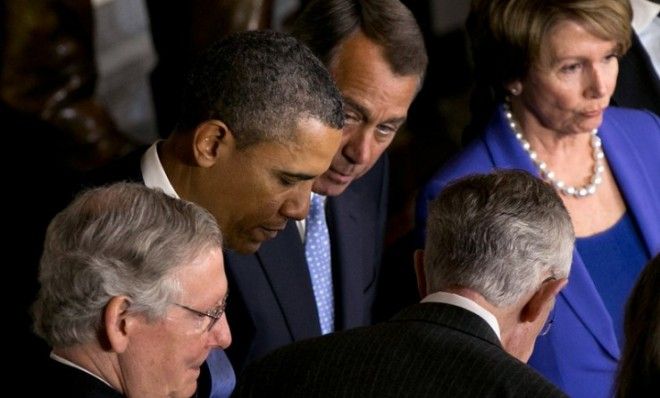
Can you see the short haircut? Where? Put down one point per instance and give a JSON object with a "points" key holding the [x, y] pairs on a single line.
{"points": [[497, 234], [325, 24], [122, 239], [507, 35], [261, 84]]}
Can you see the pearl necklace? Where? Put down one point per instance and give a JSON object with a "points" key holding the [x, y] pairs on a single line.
{"points": [[568, 190]]}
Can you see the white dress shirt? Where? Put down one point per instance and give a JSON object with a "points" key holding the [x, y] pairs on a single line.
{"points": [[466, 304], [153, 172]]}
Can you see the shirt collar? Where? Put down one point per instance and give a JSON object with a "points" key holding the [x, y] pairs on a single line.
{"points": [[467, 304], [66, 362], [153, 172]]}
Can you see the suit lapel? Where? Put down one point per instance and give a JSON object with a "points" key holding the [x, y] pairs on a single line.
{"points": [[346, 238], [290, 282], [580, 293]]}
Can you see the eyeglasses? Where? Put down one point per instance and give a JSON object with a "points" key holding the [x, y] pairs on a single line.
{"points": [[551, 316], [210, 318], [548, 323]]}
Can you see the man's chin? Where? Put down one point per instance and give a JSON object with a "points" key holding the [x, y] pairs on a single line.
{"points": [[329, 188], [243, 246]]}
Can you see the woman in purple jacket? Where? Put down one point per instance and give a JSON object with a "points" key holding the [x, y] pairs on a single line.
{"points": [[551, 67]]}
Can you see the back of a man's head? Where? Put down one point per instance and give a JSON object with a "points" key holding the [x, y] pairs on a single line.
{"points": [[121, 239], [325, 24], [261, 84], [497, 234]]}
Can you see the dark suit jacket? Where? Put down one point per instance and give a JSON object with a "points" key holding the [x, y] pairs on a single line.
{"points": [[125, 169], [271, 303], [64, 381], [427, 350], [638, 85]]}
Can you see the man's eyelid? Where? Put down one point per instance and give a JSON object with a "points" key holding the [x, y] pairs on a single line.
{"points": [[354, 114], [361, 112], [386, 130], [296, 177]]}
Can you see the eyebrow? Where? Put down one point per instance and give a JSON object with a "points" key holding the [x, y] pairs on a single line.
{"points": [[395, 120]]}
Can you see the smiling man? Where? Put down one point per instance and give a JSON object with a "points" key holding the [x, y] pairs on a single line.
{"points": [[320, 274], [132, 296]]}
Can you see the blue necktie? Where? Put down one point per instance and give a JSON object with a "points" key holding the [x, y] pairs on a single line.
{"points": [[317, 252], [223, 378]]}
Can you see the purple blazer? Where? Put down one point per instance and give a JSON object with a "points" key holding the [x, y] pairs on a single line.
{"points": [[580, 352]]}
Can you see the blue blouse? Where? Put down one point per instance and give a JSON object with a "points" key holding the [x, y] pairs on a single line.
{"points": [[614, 259]]}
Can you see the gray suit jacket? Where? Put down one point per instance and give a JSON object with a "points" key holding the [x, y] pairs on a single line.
{"points": [[427, 350]]}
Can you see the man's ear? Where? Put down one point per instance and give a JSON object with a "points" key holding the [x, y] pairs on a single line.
{"points": [[118, 323], [421, 273], [210, 138], [534, 308]]}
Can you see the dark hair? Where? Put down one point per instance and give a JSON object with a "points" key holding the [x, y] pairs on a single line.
{"points": [[639, 368], [325, 24], [261, 84]]}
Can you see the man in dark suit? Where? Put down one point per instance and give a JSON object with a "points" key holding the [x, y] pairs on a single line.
{"points": [[375, 53], [261, 119], [498, 251], [638, 83], [132, 294]]}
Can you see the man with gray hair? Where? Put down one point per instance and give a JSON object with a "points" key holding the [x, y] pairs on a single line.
{"points": [[498, 251], [132, 295]]}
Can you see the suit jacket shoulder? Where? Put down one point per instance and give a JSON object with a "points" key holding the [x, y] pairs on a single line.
{"points": [[428, 350], [638, 85], [66, 381], [127, 168]]}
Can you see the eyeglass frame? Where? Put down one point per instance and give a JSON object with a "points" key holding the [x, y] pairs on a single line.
{"points": [[215, 316], [548, 323], [551, 315]]}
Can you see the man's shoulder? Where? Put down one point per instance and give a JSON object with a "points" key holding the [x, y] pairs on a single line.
{"points": [[413, 355], [66, 381], [126, 168]]}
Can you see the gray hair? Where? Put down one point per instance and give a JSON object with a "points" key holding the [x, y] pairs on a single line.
{"points": [[497, 234], [122, 239], [261, 84]]}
